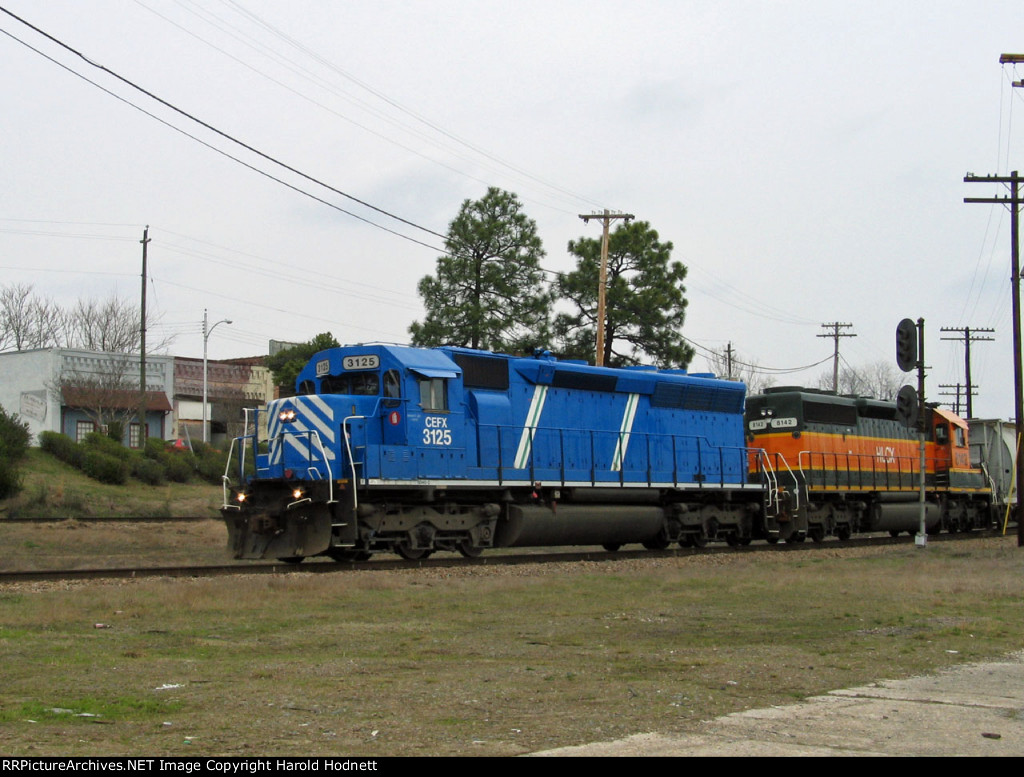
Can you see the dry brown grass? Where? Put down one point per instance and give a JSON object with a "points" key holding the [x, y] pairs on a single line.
{"points": [[77, 544]]}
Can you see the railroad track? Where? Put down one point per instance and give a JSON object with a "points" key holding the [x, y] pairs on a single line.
{"points": [[113, 519], [495, 559]]}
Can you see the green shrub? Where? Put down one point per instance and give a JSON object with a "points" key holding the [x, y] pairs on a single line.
{"points": [[148, 471], [62, 447], [211, 465], [10, 477], [14, 435], [156, 449], [106, 469], [106, 445], [179, 467]]}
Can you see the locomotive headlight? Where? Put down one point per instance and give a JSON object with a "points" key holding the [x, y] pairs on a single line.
{"points": [[240, 497], [297, 493], [286, 416]]}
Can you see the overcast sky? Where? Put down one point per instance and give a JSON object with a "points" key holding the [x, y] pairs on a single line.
{"points": [[805, 158]]}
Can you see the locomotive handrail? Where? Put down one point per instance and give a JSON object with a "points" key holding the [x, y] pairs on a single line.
{"points": [[700, 446], [311, 434], [348, 451], [225, 480], [879, 475], [771, 477]]}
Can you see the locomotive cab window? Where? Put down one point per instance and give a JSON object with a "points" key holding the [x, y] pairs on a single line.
{"points": [[433, 394], [961, 438], [392, 388], [362, 384], [366, 384], [942, 434]]}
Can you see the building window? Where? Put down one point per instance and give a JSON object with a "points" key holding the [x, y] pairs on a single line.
{"points": [[133, 436], [83, 428]]}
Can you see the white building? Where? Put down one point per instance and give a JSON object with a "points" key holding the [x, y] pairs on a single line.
{"points": [[75, 392]]}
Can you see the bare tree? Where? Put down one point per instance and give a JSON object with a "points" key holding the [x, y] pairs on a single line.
{"points": [[730, 365], [111, 326], [29, 321], [47, 323], [878, 380]]}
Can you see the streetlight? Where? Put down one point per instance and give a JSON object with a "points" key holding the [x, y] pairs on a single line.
{"points": [[206, 337]]}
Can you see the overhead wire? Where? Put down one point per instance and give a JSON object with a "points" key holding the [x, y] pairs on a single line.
{"points": [[215, 130], [224, 27], [575, 196]]}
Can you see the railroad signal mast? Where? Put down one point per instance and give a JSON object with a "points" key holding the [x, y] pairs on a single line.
{"points": [[910, 405]]}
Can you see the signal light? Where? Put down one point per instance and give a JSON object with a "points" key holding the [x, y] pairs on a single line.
{"points": [[907, 407], [906, 345]]}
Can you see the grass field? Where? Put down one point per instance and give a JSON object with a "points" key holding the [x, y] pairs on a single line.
{"points": [[474, 661], [483, 661]]}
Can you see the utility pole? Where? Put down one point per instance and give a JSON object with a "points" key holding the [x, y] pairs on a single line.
{"points": [[836, 333], [143, 404], [728, 359], [967, 338], [958, 390], [1014, 202], [606, 218]]}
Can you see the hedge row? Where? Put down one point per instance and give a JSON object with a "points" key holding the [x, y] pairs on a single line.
{"points": [[108, 461]]}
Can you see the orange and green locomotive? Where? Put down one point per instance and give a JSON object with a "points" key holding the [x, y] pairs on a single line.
{"points": [[842, 465]]}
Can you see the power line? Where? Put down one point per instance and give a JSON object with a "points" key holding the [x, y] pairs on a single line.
{"points": [[207, 126]]}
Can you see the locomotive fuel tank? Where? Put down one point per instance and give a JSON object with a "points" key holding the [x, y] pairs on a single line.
{"points": [[541, 525], [903, 516]]}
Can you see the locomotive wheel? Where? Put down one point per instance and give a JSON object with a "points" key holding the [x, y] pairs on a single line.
{"points": [[817, 533], [699, 540], [686, 541], [469, 550], [612, 547], [292, 559], [733, 540], [412, 554], [843, 531], [796, 537], [772, 540], [894, 532]]}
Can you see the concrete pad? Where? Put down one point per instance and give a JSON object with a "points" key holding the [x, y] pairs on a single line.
{"points": [[973, 710]]}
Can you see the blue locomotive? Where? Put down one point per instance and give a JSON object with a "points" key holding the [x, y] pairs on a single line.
{"points": [[413, 450]]}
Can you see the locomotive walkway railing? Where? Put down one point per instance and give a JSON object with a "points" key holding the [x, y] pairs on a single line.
{"points": [[861, 472], [608, 457]]}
